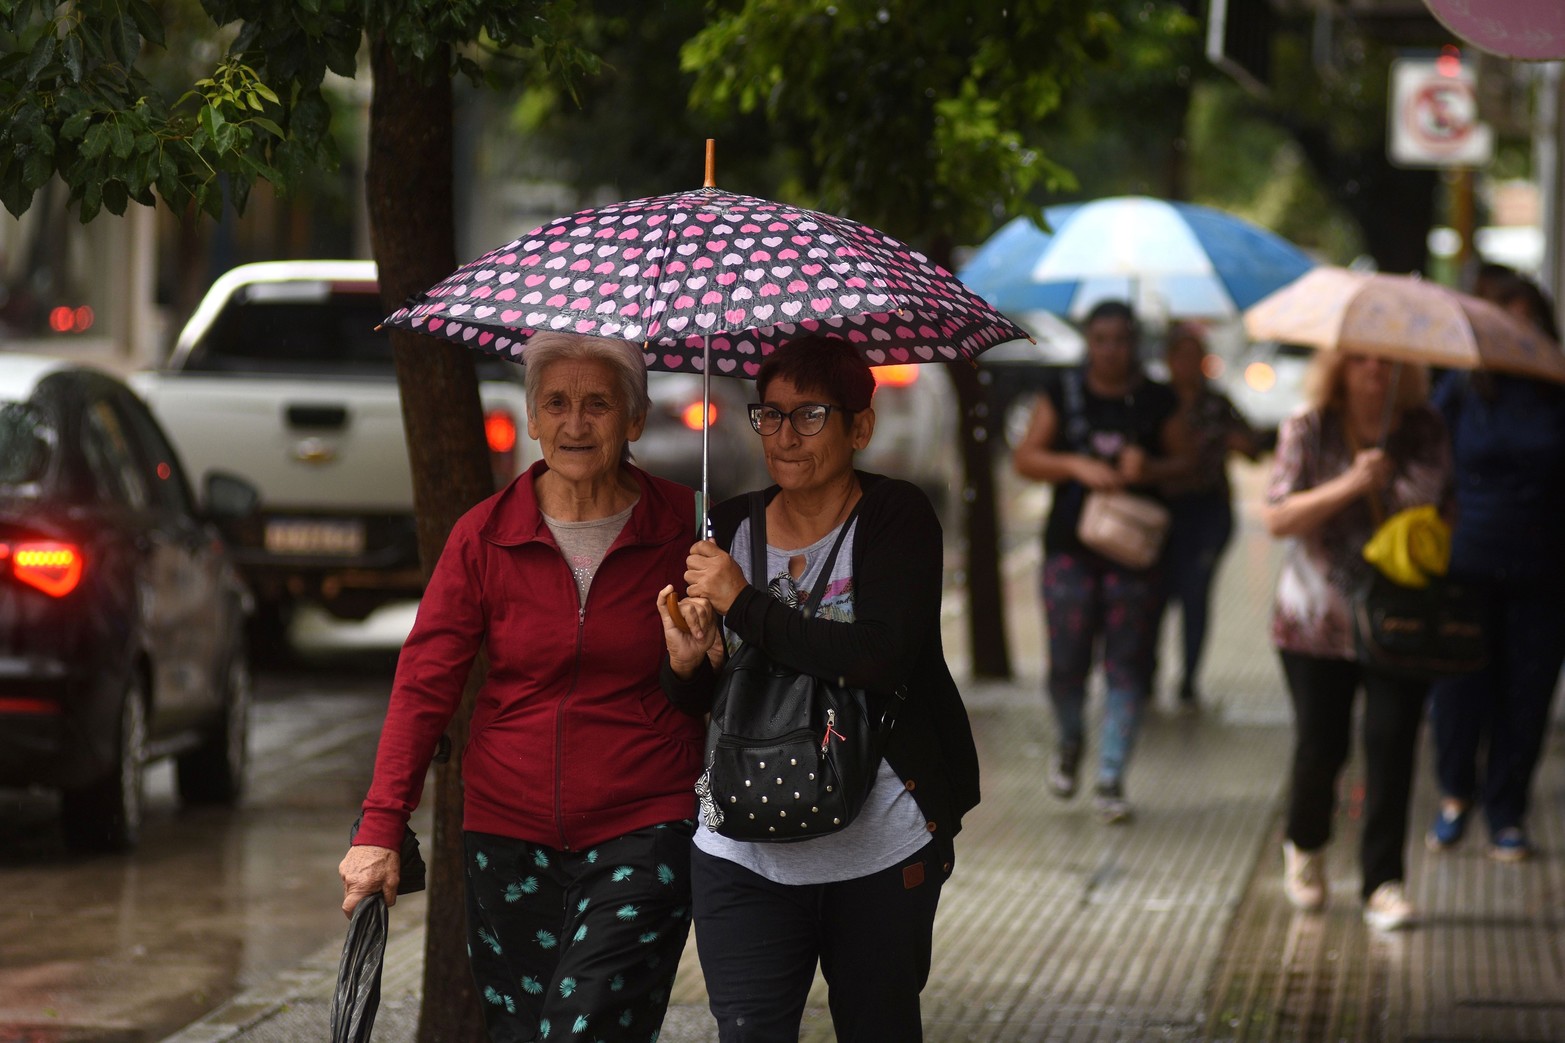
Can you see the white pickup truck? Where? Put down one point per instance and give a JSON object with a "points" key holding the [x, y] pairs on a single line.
{"points": [[280, 377]]}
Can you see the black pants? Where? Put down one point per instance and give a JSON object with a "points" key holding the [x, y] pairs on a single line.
{"points": [[1322, 691], [1503, 709], [759, 943], [578, 944]]}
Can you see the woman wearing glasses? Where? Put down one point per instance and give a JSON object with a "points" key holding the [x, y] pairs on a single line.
{"points": [[861, 901]]}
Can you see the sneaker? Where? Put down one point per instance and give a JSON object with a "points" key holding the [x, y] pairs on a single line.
{"points": [[1304, 877], [1110, 803], [1449, 826], [1388, 908], [1062, 771], [1510, 845]]}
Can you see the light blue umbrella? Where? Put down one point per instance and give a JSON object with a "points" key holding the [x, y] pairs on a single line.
{"points": [[1180, 259]]}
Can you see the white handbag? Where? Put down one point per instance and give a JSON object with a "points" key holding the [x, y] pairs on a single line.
{"points": [[1123, 527]]}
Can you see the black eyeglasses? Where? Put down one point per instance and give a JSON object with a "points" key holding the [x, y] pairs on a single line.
{"points": [[807, 419]]}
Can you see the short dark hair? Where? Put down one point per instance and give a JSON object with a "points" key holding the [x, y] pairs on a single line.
{"points": [[827, 366], [1514, 288], [1112, 310]]}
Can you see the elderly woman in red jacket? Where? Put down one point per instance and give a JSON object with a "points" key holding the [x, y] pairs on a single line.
{"points": [[578, 773]]}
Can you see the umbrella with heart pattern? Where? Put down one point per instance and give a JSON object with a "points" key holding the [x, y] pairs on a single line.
{"points": [[712, 275]]}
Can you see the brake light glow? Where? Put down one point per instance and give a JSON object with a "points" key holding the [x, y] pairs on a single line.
{"points": [[895, 376], [500, 431], [54, 568], [692, 415]]}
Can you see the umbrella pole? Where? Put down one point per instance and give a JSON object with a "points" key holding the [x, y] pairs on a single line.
{"points": [[1388, 411], [703, 523]]}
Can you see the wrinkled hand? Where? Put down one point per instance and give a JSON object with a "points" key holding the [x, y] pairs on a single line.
{"points": [[366, 869], [711, 574], [1133, 464], [1095, 474], [687, 647], [1370, 471]]}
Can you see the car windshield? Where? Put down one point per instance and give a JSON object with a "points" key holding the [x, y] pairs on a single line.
{"points": [[27, 445], [313, 328]]}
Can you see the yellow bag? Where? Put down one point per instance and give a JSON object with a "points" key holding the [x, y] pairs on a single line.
{"points": [[1411, 547]]}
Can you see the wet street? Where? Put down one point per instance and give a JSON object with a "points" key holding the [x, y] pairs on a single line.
{"points": [[129, 948]]}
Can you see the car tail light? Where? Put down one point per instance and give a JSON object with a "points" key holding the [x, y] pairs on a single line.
{"points": [[691, 417], [54, 568], [895, 376], [500, 433]]}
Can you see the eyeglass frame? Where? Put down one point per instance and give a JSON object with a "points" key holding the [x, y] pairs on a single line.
{"points": [[755, 409]]}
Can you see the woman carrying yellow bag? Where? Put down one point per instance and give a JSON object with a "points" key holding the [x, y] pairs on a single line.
{"points": [[1320, 498]]}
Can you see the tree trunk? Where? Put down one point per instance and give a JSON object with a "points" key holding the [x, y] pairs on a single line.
{"points": [[985, 595], [408, 181], [991, 657]]}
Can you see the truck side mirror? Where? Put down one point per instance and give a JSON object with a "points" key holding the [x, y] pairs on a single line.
{"points": [[229, 497]]}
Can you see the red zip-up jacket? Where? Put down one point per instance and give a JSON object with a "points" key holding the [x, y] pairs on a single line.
{"points": [[573, 741]]}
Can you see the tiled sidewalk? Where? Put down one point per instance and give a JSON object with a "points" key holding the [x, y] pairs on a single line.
{"points": [[1174, 927]]}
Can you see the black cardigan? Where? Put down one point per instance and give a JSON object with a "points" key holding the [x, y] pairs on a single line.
{"points": [[894, 640]]}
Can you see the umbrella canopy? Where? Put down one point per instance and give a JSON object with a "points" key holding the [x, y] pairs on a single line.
{"points": [[709, 274], [357, 996], [1404, 318], [1179, 259]]}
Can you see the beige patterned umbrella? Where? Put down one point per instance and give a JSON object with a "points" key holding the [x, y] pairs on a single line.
{"points": [[1405, 318]]}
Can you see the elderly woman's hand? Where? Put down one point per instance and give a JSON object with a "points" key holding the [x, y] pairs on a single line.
{"points": [[688, 644], [711, 574], [366, 869]]}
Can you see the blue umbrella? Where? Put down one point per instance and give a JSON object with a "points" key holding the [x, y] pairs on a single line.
{"points": [[1180, 259]]}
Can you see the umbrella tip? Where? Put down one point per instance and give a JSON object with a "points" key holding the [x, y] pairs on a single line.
{"points": [[711, 164]]}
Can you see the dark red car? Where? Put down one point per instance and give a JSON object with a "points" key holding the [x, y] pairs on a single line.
{"points": [[121, 615]]}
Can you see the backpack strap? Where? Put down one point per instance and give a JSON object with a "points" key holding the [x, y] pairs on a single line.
{"points": [[757, 502]]}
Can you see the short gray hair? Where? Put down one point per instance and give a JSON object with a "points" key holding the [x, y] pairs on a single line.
{"points": [[630, 367]]}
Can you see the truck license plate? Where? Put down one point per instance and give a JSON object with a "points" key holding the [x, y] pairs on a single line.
{"points": [[314, 536]]}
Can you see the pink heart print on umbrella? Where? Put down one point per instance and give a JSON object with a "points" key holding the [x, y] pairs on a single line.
{"points": [[712, 274]]}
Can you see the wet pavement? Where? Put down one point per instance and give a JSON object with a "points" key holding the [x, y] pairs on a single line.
{"points": [[128, 948], [1173, 927]]}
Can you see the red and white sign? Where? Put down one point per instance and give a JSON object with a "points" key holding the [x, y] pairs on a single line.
{"points": [[1434, 116]]}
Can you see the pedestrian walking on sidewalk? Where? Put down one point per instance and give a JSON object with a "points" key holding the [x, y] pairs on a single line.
{"points": [[578, 772], [1105, 426], [1366, 433], [860, 902], [1508, 443], [1200, 499]]}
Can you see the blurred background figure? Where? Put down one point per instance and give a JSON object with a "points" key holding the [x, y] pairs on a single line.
{"points": [[1366, 435], [1508, 445], [1102, 426], [1199, 497]]}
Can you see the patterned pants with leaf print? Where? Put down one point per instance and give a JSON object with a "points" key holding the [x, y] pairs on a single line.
{"points": [[578, 945]]}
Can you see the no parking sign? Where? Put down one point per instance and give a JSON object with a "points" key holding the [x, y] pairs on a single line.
{"points": [[1434, 115]]}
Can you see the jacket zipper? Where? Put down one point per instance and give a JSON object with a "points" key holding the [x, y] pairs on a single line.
{"points": [[559, 720]]}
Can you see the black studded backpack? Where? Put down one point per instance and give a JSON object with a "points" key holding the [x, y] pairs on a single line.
{"points": [[789, 755]]}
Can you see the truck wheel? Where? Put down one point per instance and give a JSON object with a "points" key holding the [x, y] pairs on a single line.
{"points": [[214, 772], [106, 816]]}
